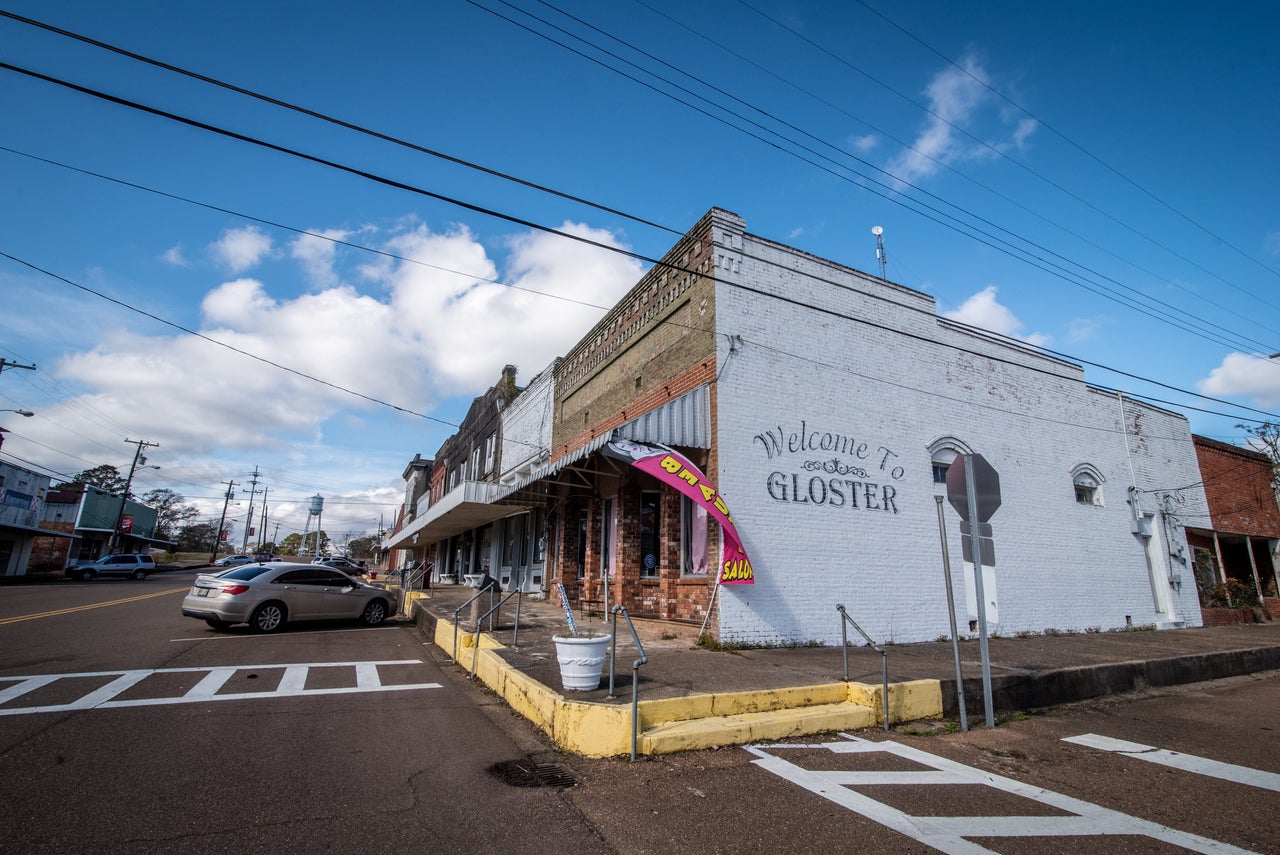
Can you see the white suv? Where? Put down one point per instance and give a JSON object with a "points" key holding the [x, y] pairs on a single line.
{"points": [[131, 565]]}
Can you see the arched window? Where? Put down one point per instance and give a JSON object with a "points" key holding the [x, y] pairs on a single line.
{"points": [[943, 451], [1087, 481]]}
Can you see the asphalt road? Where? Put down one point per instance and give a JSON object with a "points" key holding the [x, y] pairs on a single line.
{"points": [[1017, 788], [217, 747], [344, 739]]}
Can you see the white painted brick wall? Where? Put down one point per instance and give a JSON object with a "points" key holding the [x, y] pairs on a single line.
{"points": [[1060, 565], [526, 424]]}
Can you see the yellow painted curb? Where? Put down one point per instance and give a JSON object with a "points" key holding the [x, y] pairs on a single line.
{"points": [[694, 721]]}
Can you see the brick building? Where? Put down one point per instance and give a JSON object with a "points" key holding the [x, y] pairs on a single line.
{"points": [[821, 407], [459, 529], [1240, 538]]}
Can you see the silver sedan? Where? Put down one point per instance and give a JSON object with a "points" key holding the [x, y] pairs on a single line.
{"points": [[266, 596]]}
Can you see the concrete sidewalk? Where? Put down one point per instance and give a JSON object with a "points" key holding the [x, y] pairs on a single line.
{"points": [[693, 697]]}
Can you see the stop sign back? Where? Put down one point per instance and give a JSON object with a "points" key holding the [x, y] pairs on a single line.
{"points": [[986, 484]]}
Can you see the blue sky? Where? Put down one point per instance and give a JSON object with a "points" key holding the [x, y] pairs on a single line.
{"points": [[1038, 170]]}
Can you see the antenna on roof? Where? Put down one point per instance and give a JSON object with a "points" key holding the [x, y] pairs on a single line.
{"points": [[880, 256]]}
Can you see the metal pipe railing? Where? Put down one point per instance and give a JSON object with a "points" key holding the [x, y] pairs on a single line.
{"points": [[844, 651], [475, 644], [457, 612], [635, 672], [409, 578]]}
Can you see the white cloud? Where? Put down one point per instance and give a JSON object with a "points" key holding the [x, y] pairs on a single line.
{"points": [[418, 335], [865, 143], [173, 255], [984, 311], [1272, 243], [1084, 329], [961, 109], [316, 253], [241, 249], [468, 328], [1242, 375]]}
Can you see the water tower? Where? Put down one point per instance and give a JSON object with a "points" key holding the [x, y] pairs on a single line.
{"points": [[316, 509]]}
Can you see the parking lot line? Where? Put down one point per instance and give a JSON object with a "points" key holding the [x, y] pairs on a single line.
{"points": [[1176, 760]]}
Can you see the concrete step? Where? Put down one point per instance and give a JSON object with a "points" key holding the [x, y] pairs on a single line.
{"points": [[692, 734]]}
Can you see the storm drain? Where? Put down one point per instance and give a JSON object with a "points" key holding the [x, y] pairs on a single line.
{"points": [[526, 773]]}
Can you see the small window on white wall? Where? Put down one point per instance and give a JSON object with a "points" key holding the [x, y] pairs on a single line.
{"points": [[943, 452], [1088, 484]]}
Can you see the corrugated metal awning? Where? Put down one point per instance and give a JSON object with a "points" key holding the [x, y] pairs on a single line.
{"points": [[683, 421], [549, 469]]}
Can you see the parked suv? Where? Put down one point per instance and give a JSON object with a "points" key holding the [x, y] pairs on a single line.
{"points": [[131, 565], [343, 563]]}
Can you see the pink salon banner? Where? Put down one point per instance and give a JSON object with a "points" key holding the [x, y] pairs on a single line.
{"points": [[673, 469]]}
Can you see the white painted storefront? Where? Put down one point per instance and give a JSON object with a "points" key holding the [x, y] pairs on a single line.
{"points": [[839, 392]]}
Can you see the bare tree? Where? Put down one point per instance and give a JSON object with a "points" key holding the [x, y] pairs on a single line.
{"points": [[1265, 437]]}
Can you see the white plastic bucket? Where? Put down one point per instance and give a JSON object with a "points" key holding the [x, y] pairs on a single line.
{"points": [[581, 661]]}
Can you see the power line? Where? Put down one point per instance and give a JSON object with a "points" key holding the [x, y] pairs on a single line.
{"points": [[951, 169], [1002, 154], [886, 192], [1087, 153], [389, 182], [890, 195]]}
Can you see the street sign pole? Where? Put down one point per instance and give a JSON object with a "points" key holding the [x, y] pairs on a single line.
{"points": [[951, 613], [972, 493]]}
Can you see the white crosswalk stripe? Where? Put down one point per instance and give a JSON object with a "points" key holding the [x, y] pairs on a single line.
{"points": [[208, 688], [952, 833], [1186, 762]]}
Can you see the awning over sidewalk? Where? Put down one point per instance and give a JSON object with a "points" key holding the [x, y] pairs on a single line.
{"points": [[469, 505], [683, 421], [37, 531]]}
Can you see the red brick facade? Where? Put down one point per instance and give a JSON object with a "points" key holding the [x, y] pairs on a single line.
{"points": [[1237, 483], [657, 344]]}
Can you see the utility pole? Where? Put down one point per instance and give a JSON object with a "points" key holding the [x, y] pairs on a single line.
{"points": [[217, 535], [248, 520], [137, 458], [6, 363], [262, 526]]}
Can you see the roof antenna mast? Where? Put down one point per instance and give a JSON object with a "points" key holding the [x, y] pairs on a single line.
{"points": [[880, 256]]}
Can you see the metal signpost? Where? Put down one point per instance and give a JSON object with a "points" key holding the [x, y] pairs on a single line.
{"points": [[973, 488], [951, 613]]}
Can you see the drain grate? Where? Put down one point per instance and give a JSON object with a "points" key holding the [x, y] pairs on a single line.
{"points": [[526, 773]]}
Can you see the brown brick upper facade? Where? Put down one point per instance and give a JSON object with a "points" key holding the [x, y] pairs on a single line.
{"points": [[1237, 483], [657, 343]]}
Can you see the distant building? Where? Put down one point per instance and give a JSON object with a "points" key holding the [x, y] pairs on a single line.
{"points": [[84, 517], [754, 435], [22, 502], [1240, 538]]}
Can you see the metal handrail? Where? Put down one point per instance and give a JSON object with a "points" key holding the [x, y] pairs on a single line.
{"points": [[635, 671], [844, 651], [475, 644], [457, 612], [408, 580]]}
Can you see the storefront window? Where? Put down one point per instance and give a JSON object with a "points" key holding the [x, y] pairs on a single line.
{"points": [[536, 538], [606, 538], [508, 541], [650, 534], [582, 544], [693, 538]]}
